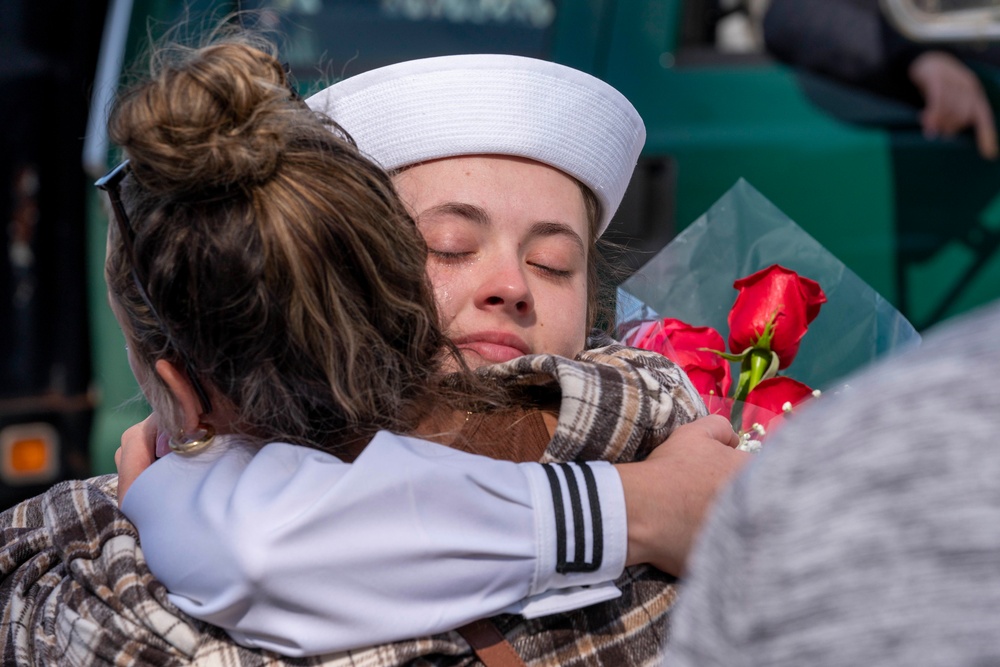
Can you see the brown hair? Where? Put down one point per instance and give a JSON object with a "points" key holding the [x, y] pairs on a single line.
{"points": [[601, 272], [280, 260]]}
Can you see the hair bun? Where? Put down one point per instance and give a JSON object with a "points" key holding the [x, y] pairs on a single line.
{"points": [[206, 120]]}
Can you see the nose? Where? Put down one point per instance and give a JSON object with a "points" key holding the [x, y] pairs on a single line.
{"points": [[505, 288]]}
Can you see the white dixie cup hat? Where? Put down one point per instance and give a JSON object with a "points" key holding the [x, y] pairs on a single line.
{"points": [[449, 106]]}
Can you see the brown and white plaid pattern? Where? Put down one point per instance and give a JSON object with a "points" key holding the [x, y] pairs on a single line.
{"points": [[76, 589], [617, 408]]}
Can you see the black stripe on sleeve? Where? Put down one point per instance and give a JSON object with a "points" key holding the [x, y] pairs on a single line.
{"points": [[595, 515], [560, 511]]}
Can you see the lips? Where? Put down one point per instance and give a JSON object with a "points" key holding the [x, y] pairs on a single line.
{"points": [[493, 346]]}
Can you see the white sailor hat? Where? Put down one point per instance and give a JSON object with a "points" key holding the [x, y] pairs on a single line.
{"points": [[448, 106]]}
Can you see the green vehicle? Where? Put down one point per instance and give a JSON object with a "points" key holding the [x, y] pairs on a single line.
{"points": [[919, 220]]}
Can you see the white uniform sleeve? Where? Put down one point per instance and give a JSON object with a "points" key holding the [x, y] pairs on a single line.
{"points": [[293, 550]]}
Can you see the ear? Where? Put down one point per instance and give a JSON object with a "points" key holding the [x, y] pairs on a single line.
{"points": [[184, 394]]}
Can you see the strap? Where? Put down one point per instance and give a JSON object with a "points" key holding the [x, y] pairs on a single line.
{"points": [[489, 645]]}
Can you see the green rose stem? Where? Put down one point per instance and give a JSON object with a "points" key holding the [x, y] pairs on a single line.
{"points": [[757, 363]]}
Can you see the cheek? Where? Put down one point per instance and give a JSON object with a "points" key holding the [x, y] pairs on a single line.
{"points": [[447, 292], [564, 329]]}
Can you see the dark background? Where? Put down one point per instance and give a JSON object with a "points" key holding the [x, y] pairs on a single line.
{"points": [[48, 54]]}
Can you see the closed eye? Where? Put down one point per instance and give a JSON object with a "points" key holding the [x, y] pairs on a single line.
{"points": [[446, 256], [548, 270]]}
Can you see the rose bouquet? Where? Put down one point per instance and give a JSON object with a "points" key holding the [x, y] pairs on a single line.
{"points": [[682, 303], [772, 312]]}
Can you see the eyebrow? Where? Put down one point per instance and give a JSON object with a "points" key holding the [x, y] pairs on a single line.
{"points": [[478, 215], [545, 228], [471, 212]]}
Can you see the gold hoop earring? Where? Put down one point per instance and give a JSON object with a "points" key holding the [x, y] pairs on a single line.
{"points": [[195, 442]]}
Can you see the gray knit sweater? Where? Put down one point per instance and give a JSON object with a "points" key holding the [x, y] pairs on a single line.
{"points": [[868, 531]]}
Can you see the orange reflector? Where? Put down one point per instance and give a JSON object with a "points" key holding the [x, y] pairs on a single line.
{"points": [[29, 456], [29, 453]]}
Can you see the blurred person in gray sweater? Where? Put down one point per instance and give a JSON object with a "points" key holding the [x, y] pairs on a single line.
{"points": [[866, 531]]}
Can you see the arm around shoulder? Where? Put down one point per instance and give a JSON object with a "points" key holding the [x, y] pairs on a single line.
{"points": [[293, 550]]}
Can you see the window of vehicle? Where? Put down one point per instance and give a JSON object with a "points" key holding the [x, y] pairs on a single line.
{"points": [[945, 20], [333, 39]]}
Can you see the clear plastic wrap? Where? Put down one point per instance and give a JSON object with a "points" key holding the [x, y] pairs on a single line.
{"points": [[692, 279]]}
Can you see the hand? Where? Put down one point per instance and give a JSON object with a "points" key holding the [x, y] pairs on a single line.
{"points": [[668, 495], [954, 100], [137, 452]]}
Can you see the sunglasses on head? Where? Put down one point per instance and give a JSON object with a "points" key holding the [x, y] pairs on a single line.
{"points": [[111, 183]]}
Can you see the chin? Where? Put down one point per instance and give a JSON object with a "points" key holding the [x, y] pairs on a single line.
{"points": [[472, 360], [475, 361]]}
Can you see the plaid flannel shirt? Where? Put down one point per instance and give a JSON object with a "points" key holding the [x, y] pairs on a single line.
{"points": [[76, 589]]}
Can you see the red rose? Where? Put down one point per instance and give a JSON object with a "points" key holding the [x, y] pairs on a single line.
{"points": [[685, 345], [718, 405], [770, 398], [777, 295]]}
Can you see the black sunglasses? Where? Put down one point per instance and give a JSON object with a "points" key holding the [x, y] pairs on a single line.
{"points": [[111, 183]]}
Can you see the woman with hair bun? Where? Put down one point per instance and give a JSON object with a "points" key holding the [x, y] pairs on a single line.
{"points": [[245, 267]]}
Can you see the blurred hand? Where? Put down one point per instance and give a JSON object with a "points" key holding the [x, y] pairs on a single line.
{"points": [[668, 495], [954, 100], [136, 453]]}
